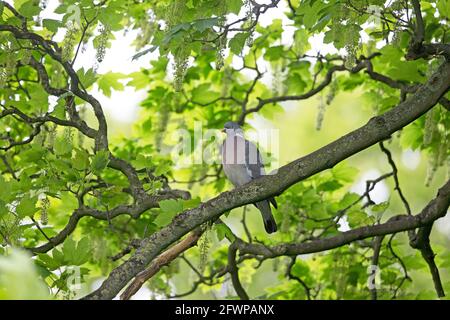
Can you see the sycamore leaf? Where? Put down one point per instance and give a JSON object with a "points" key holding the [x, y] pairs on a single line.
{"points": [[236, 44], [223, 231], [110, 81], [100, 162], [169, 208], [27, 206]]}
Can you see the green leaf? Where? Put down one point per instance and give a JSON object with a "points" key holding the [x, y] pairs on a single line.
{"points": [[30, 9], [27, 206], [81, 159], [6, 190], [274, 53], [356, 218], [60, 110], [223, 231], [49, 262], [51, 25], [163, 169], [234, 6], [348, 200], [191, 203], [88, 77], [203, 94], [236, 44], [301, 43], [82, 253], [139, 80], [62, 146], [142, 162], [169, 208], [58, 256], [380, 207], [343, 173], [412, 136], [331, 185], [444, 8], [3, 209], [110, 81], [76, 253], [190, 4], [204, 24], [100, 162]]}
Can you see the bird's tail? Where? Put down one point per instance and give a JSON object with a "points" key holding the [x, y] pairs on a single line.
{"points": [[269, 222]]}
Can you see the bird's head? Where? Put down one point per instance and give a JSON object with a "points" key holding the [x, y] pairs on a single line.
{"points": [[232, 128]]}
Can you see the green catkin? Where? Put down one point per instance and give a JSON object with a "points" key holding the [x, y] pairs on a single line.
{"points": [[350, 59], [430, 127], [321, 112], [69, 42], [68, 135], [279, 73], [226, 81], [222, 40], [102, 43], [250, 20], [10, 226], [431, 170], [180, 67], [174, 12], [45, 204], [285, 221], [204, 244], [148, 26], [220, 53], [331, 92], [3, 77], [9, 68], [164, 117], [182, 53], [444, 146], [51, 135]]}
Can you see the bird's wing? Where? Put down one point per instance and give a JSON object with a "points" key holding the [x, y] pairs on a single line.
{"points": [[253, 160], [239, 152]]}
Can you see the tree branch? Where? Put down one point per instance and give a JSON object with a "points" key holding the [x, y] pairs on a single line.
{"points": [[435, 209], [234, 272], [422, 243], [377, 129], [162, 260]]}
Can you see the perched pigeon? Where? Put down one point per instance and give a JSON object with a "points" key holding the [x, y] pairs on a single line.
{"points": [[242, 163]]}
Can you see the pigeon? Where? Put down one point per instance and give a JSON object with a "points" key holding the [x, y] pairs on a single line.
{"points": [[242, 163]]}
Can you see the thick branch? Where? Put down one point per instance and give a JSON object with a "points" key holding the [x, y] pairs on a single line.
{"points": [[234, 272], [162, 260], [132, 210], [435, 209], [422, 243]]}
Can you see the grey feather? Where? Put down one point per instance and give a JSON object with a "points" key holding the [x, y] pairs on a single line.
{"points": [[242, 163]]}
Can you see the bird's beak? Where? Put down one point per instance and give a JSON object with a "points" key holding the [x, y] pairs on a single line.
{"points": [[224, 130]]}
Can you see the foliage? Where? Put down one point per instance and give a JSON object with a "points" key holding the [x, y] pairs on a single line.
{"points": [[78, 198]]}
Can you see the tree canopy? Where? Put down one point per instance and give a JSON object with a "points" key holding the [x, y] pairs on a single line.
{"points": [[346, 86]]}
